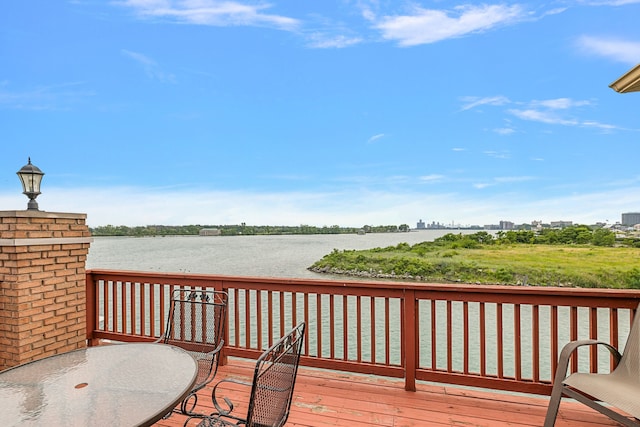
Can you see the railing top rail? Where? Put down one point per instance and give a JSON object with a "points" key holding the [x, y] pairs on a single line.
{"points": [[544, 291]]}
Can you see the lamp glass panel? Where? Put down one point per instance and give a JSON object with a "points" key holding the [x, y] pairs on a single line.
{"points": [[31, 182]]}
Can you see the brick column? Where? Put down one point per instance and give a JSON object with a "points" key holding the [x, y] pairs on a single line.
{"points": [[42, 284]]}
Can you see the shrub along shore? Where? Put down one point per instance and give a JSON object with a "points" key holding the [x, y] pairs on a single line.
{"points": [[575, 256]]}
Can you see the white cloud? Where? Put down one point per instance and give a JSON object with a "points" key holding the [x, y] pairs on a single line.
{"points": [[500, 179], [617, 49], [498, 154], [431, 178], [550, 117], [322, 41], [474, 101], [542, 117], [151, 68], [481, 185], [555, 11], [598, 125], [509, 179], [560, 103], [546, 111], [211, 12], [549, 111], [504, 131], [612, 2], [376, 137], [425, 26], [56, 97]]}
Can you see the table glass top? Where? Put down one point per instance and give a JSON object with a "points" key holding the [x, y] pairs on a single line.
{"points": [[121, 384]]}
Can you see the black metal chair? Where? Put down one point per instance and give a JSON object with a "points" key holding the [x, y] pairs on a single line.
{"points": [[271, 390], [196, 324]]}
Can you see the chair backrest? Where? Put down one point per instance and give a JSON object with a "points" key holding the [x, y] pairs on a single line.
{"points": [[630, 362], [274, 379], [196, 323]]}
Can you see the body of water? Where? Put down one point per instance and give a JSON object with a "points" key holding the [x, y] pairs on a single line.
{"points": [[261, 256], [289, 256]]}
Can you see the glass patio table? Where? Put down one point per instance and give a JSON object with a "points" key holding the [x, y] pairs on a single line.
{"points": [[110, 385]]}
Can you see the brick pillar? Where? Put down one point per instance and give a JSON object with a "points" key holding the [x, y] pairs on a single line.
{"points": [[42, 284]]}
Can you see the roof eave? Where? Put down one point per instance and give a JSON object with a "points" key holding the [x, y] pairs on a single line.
{"points": [[630, 82]]}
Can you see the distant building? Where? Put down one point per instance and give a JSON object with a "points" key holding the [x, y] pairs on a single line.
{"points": [[210, 232], [435, 226], [561, 224], [421, 225], [630, 218], [506, 225]]}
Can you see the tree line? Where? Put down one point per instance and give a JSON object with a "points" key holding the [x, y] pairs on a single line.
{"points": [[238, 230], [573, 235]]}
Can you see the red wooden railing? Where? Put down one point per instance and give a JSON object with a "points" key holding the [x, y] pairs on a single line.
{"points": [[499, 337]]}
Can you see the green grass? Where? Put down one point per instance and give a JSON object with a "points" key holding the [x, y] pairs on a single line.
{"points": [[510, 264]]}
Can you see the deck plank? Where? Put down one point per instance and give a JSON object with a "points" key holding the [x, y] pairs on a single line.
{"points": [[328, 398]]}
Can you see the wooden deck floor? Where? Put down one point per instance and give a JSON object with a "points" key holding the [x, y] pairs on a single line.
{"points": [[326, 398]]}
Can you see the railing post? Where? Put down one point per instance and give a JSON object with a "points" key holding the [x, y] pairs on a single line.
{"points": [[91, 307], [222, 357], [409, 336]]}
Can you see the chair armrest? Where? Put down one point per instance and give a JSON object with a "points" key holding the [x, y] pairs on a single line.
{"points": [[217, 349], [227, 401], [570, 348], [561, 374]]}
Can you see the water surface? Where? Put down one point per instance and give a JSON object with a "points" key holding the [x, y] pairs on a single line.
{"points": [[262, 256]]}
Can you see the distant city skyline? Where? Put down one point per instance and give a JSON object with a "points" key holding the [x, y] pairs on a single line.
{"points": [[626, 219], [334, 112]]}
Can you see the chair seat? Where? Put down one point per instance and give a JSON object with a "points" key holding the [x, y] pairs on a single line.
{"points": [[611, 388], [213, 422]]}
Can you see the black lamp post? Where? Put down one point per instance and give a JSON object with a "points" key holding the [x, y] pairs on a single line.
{"points": [[31, 176]]}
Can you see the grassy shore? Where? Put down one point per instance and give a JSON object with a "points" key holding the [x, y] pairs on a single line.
{"points": [[509, 264]]}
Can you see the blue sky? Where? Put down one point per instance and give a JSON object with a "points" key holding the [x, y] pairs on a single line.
{"points": [[346, 112]]}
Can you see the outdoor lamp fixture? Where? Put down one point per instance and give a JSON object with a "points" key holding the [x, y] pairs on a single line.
{"points": [[31, 176]]}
